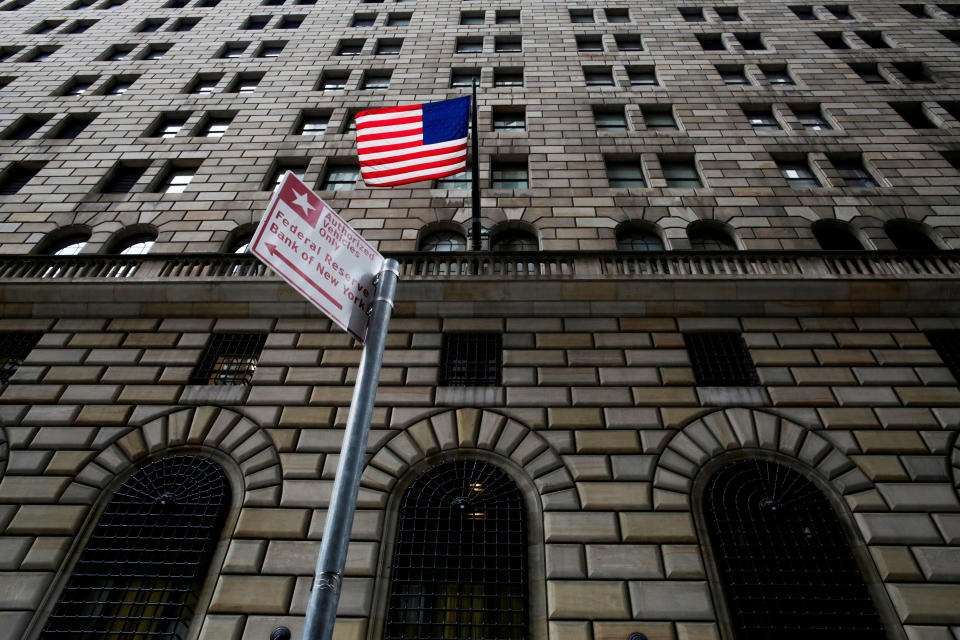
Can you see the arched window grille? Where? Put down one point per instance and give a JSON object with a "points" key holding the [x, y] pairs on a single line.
{"points": [[142, 570], [440, 241], [459, 567], [705, 237], [515, 240], [637, 238], [784, 560]]}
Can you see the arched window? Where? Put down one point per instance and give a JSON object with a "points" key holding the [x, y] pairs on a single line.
{"points": [[134, 244], [241, 244], [441, 241], [834, 235], [909, 236], [784, 560], [459, 567], [636, 238], [515, 240], [707, 237], [142, 570], [64, 242]]}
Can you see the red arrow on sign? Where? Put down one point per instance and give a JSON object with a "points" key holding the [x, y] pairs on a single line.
{"points": [[273, 251]]}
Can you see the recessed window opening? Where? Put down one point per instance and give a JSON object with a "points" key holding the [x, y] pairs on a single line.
{"points": [[833, 235], [471, 359], [15, 346], [908, 235], [720, 358], [229, 359], [638, 239]]}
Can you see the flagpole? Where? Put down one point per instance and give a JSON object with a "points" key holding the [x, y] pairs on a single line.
{"points": [[474, 177]]}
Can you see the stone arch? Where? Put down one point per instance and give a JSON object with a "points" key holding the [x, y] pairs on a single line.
{"points": [[223, 430], [736, 429], [475, 429]]}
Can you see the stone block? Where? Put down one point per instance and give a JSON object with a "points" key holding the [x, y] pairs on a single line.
{"points": [[273, 523], [682, 562], [926, 603], [614, 496], [697, 631], [610, 630], [252, 594], [221, 627], [580, 527], [591, 600], [670, 600], [570, 630], [48, 519], [245, 556], [574, 418], [897, 528], [919, 496], [898, 442], [880, 468], [12, 551], [23, 589], [609, 442], [565, 561], [939, 564], [895, 564], [624, 561], [654, 527]]}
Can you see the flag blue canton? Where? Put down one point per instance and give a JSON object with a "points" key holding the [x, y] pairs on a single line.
{"points": [[445, 121]]}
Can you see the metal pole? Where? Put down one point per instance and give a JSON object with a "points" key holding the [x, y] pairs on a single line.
{"points": [[322, 607], [474, 170]]}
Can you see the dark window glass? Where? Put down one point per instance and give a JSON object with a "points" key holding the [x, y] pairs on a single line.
{"points": [[291, 22], [229, 359], [692, 14], [459, 567], [709, 238], [784, 560], [142, 570], [710, 41], [834, 40], [617, 15], [750, 41], [363, 20], [952, 9], [598, 77], [728, 14], [836, 236], [840, 11], [588, 43], [331, 81], [610, 118], [777, 74], [123, 178], [625, 174], [507, 44], [515, 240], [71, 126], [471, 359], [811, 118], [797, 173], [581, 16], [853, 173], [642, 76], [874, 39], [762, 119], [658, 118], [25, 127], [638, 239], [444, 241], [869, 73], [720, 359], [341, 177], [15, 346], [628, 42], [733, 74], [510, 16], [913, 113], [804, 12], [913, 71], [908, 236], [916, 10], [17, 176], [255, 23], [508, 77], [388, 47], [471, 17], [508, 175], [947, 344]]}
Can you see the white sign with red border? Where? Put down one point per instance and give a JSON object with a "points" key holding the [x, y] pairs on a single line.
{"points": [[307, 244]]}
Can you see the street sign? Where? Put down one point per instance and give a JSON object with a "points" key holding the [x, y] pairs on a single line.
{"points": [[307, 244]]}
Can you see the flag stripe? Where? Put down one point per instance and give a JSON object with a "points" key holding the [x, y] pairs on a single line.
{"points": [[388, 152], [415, 176], [403, 166]]}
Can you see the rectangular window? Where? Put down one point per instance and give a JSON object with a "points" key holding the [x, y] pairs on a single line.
{"points": [[17, 176], [71, 126], [610, 118], [399, 19], [24, 127], [229, 359], [680, 173], [728, 14], [7, 52], [312, 124], [692, 14], [833, 39], [245, 83], [296, 166], [642, 76], [155, 51], [255, 23], [732, 74], [804, 12], [176, 179], [868, 72], [617, 15], [952, 9], [471, 360], [509, 119], [123, 177], [913, 71], [797, 173], [581, 16], [464, 77], [507, 44], [628, 41], [750, 41], [350, 47], [658, 117], [471, 17], [711, 41], [625, 174], [167, 126], [953, 108], [79, 26], [840, 11], [332, 80], [363, 19], [507, 16], [916, 10], [951, 35], [720, 359], [469, 45], [946, 343], [117, 52], [508, 174], [77, 86], [184, 24], [270, 50], [761, 118], [912, 113], [508, 77], [15, 346], [234, 50], [873, 39], [291, 22], [457, 181], [376, 80], [341, 177], [598, 76], [45, 27], [204, 83], [811, 118], [389, 47], [214, 126], [852, 172], [118, 85], [589, 43]]}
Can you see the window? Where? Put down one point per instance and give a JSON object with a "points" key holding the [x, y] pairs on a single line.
{"points": [[270, 49], [811, 118], [229, 359], [17, 175], [610, 118], [176, 179], [312, 124], [388, 47], [873, 39], [833, 39], [150, 25], [761, 118], [123, 177], [45, 26], [634, 237], [15, 346], [625, 174], [398, 19], [952, 36], [797, 173], [508, 77], [7, 52], [747, 505], [70, 245], [952, 9], [711, 41], [40, 54], [71, 126], [913, 114], [507, 16], [135, 245], [834, 235], [185, 24], [79, 26], [469, 45], [118, 85], [296, 166], [692, 14], [233, 50], [376, 80], [508, 174], [750, 41], [363, 19], [460, 556], [642, 76], [245, 83], [946, 342], [456, 181], [117, 52], [720, 359], [167, 125], [598, 76], [913, 71], [953, 158], [471, 17], [953, 108], [709, 237], [155, 51], [24, 127], [589, 43], [658, 117], [908, 235], [290, 22], [507, 44], [214, 126], [804, 12], [175, 4], [840, 11], [471, 360], [515, 240], [728, 14], [617, 15], [732, 74], [509, 119], [77, 86], [852, 172], [332, 80], [341, 177], [204, 83], [444, 241], [168, 514], [916, 10], [581, 16], [464, 77], [868, 72], [255, 23], [628, 41]]}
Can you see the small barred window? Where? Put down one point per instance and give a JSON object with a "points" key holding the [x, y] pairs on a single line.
{"points": [[230, 358], [471, 359], [947, 344], [720, 359], [14, 348]]}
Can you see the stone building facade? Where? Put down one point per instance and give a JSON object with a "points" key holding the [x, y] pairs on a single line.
{"points": [[783, 174]]}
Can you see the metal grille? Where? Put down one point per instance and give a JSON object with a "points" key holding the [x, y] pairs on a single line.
{"points": [[459, 569], [947, 344], [230, 358], [784, 561], [14, 348], [471, 359], [144, 566], [720, 359]]}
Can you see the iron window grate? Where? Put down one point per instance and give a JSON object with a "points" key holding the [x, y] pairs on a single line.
{"points": [[230, 358], [14, 348], [784, 560], [141, 572], [720, 359], [471, 359], [947, 345], [459, 567]]}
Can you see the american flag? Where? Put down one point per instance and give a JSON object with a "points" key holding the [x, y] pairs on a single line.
{"points": [[398, 145]]}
